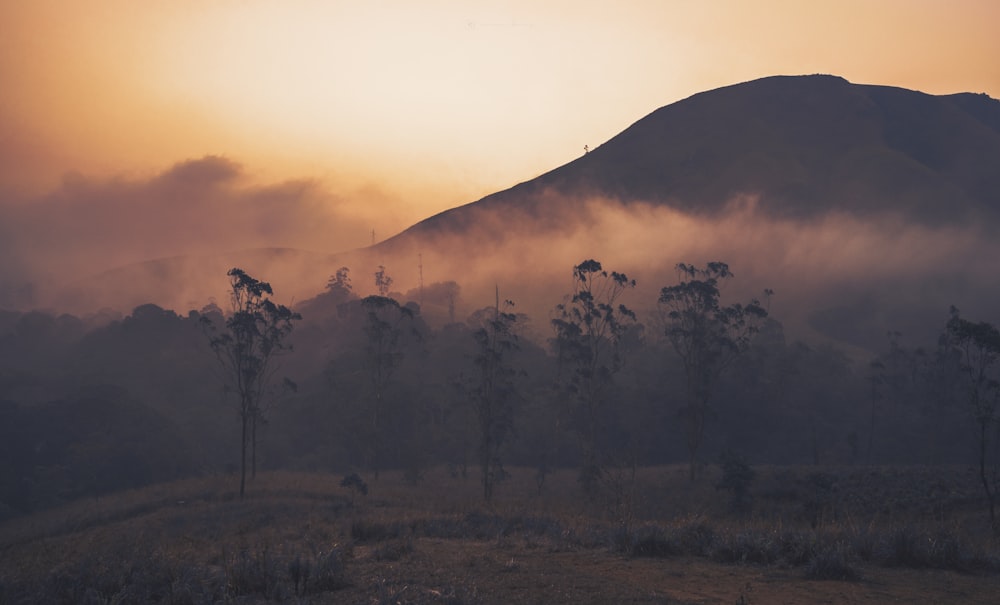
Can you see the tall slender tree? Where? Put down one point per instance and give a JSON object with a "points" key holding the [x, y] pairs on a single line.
{"points": [[255, 337], [589, 328], [707, 336], [383, 327], [494, 390], [977, 347]]}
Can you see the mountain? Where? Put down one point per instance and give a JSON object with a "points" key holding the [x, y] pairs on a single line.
{"points": [[807, 145], [868, 208]]}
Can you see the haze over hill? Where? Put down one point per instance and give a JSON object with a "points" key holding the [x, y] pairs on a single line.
{"points": [[866, 208]]}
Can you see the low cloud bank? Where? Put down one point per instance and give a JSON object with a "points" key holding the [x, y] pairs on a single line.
{"points": [[200, 208], [836, 275]]}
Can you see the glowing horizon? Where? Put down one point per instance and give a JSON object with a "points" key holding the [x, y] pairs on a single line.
{"points": [[441, 104]]}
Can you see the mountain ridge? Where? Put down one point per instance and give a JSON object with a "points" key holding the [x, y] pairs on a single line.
{"points": [[775, 136]]}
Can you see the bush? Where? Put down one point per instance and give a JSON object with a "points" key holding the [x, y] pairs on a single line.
{"points": [[328, 571], [736, 479], [654, 542], [695, 538], [363, 530], [746, 547], [355, 483], [832, 563]]}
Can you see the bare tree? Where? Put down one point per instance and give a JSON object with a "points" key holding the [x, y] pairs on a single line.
{"points": [[248, 350]]}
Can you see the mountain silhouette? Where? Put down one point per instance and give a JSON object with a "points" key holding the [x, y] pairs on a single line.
{"points": [[804, 145], [869, 208]]}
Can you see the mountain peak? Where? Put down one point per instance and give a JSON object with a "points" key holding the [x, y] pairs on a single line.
{"points": [[803, 145]]}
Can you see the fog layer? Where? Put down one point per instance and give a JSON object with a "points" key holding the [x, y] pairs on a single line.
{"points": [[170, 239]]}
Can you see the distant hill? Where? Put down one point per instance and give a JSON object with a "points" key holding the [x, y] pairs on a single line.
{"points": [[868, 208], [807, 145]]}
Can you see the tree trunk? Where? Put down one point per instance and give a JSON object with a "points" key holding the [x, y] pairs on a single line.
{"points": [[243, 457], [982, 476], [253, 444]]}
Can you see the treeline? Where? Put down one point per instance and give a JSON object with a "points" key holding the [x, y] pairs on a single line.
{"points": [[368, 383]]}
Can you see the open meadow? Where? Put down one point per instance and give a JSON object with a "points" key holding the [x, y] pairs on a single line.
{"points": [[809, 535]]}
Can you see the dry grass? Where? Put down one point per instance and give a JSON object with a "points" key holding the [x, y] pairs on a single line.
{"points": [[301, 537]]}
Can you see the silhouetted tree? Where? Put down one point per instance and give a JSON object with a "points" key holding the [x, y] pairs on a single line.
{"points": [[384, 317], [901, 378], [977, 346], [737, 475], [588, 330], [339, 283], [248, 350], [707, 336], [382, 281], [494, 390], [877, 380]]}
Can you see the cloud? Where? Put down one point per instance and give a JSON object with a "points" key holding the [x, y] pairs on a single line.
{"points": [[203, 207], [199, 175], [837, 275]]}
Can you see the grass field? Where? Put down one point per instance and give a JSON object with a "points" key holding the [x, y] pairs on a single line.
{"points": [[813, 535]]}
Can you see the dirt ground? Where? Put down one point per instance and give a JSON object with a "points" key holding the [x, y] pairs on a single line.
{"points": [[177, 539], [462, 571]]}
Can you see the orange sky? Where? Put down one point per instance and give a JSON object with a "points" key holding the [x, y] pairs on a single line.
{"points": [[436, 102]]}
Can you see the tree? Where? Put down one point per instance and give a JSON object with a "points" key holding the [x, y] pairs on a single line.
{"points": [[977, 346], [248, 351], [382, 281], [588, 331], [339, 283], [383, 327], [737, 475], [494, 392], [707, 336]]}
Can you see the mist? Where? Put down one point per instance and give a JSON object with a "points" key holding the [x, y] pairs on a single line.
{"points": [[61, 250], [118, 243], [835, 276]]}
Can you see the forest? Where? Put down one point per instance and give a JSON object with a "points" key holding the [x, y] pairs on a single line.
{"points": [[361, 384]]}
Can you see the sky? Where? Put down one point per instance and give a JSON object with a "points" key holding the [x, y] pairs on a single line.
{"points": [[445, 100], [374, 115]]}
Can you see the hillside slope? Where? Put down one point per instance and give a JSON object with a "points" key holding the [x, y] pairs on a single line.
{"points": [[807, 145]]}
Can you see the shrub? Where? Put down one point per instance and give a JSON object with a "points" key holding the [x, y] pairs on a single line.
{"points": [[654, 542], [355, 483], [832, 563], [904, 547], [393, 550], [797, 548], [695, 538], [736, 479], [328, 571], [745, 547], [363, 530]]}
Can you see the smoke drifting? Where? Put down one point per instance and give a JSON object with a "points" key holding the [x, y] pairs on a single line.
{"points": [[169, 240], [54, 247], [837, 275]]}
